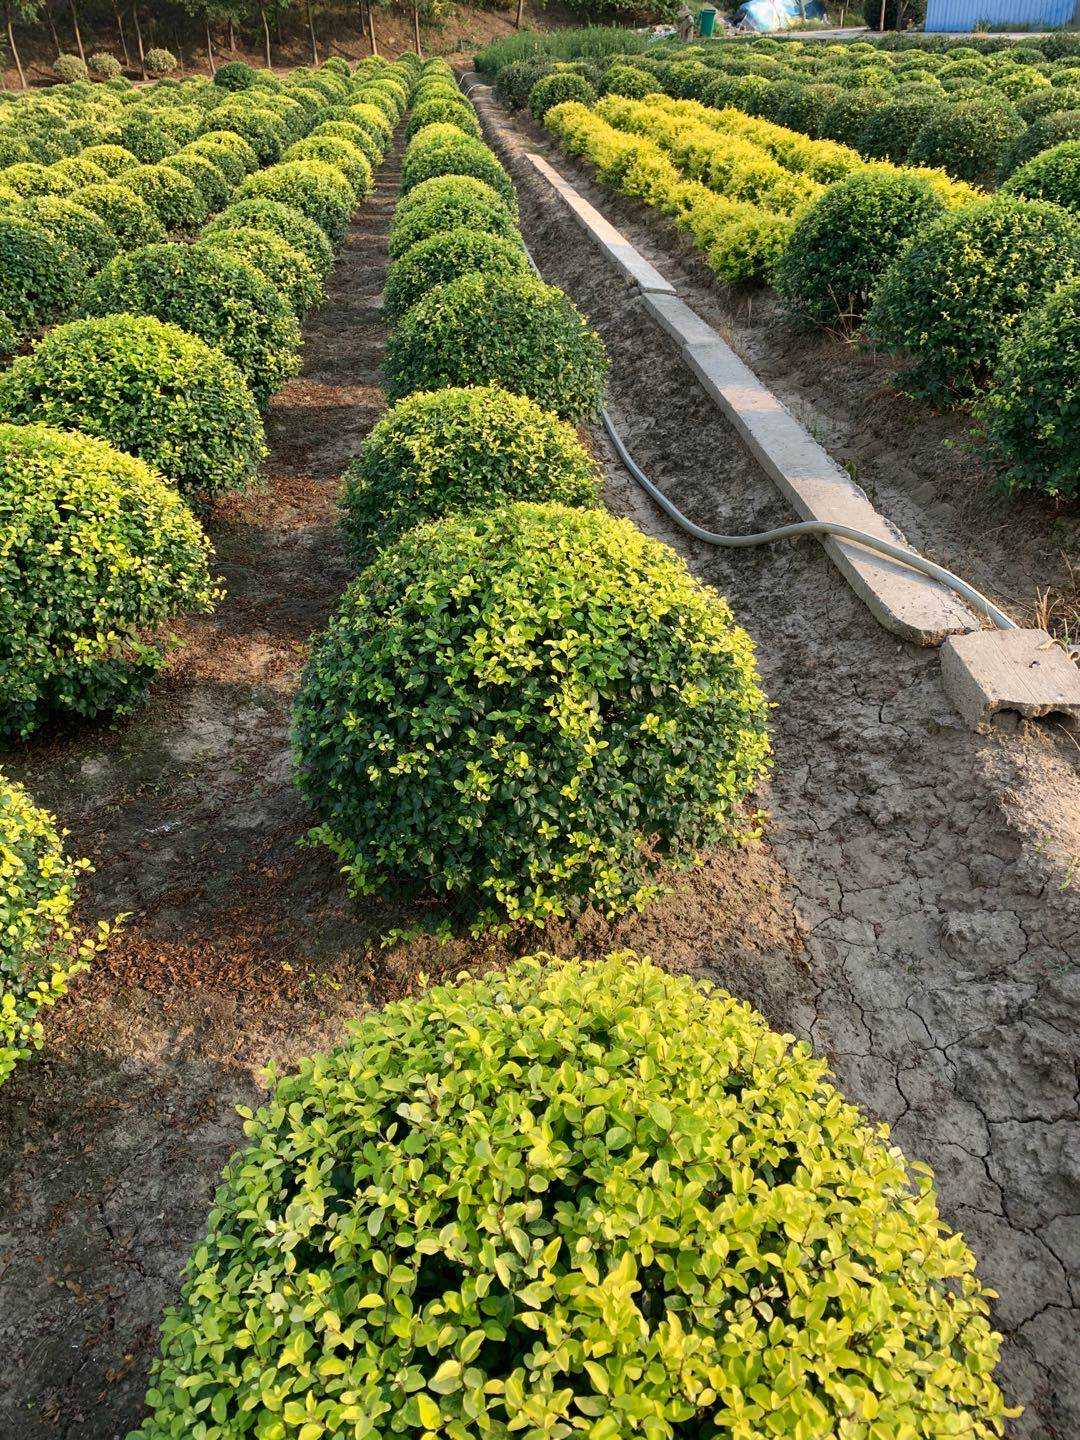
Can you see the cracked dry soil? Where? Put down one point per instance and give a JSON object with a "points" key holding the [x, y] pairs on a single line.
{"points": [[906, 912], [932, 872]]}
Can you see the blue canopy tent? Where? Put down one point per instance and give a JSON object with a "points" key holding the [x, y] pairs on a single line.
{"points": [[777, 14]]}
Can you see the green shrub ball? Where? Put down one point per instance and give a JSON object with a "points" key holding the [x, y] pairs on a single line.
{"points": [[460, 449], [99, 552], [73, 225], [1054, 175], [151, 390], [843, 241], [967, 139], [295, 229], [316, 190], [528, 711], [459, 112], [513, 331], [955, 293], [333, 150], [41, 278], [1032, 408], [217, 296], [290, 273], [577, 1190], [464, 156], [174, 199], [452, 201], [442, 258], [555, 89], [129, 217]]}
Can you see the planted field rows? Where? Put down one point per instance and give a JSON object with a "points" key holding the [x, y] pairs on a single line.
{"points": [[476, 962]]}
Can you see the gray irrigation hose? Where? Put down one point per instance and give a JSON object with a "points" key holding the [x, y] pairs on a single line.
{"points": [[910, 558]]}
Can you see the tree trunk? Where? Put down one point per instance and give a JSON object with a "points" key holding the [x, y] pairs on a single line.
{"points": [[520, 13], [266, 38], [311, 30], [138, 39], [13, 47], [881, 17], [75, 26], [416, 28], [52, 30], [123, 38], [232, 38], [371, 18], [210, 48]]}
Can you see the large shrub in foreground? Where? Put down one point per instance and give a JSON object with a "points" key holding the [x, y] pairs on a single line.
{"points": [[150, 389], [1032, 408], [967, 139], [217, 296], [39, 951], [459, 449], [844, 240], [954, 294], [515, 332], [574, 1199], [290, 273], [528, 711], [98, 552]]}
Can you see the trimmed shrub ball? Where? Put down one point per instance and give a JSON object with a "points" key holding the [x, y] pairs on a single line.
{"points": [[627, 80], [444, 257], [841, 244], [893, 127], [39, 950], [128, 216], [968, 139], [99, 552], [290, 273], [1040, 135], [359, 139], [174, 199], [848, 115], [370, 118], [295, 229], [459, 112], [1054, 175], [160, 62], [963, 283], [75, 226], [593, 1198], [205, 175], [332, 150], [262, 128], [315, 189], [103, 66], [462, 201], [234, 75], [514, 331], [113, 159], [554, 89], [1032, 408], [528, 711], [460, 449], [218, 297], [41, 278], [465, 156], [230, 153], [148, 388]]}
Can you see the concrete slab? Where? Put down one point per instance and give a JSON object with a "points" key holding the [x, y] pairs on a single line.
{"points": [[1022, 670], [611, 241], [904, 601]]}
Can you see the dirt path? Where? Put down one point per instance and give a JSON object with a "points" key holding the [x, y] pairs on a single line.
{"points": [[933, 873]]}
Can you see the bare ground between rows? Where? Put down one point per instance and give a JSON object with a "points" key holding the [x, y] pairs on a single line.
{"points": [[935, 874], [240, 948], [926, 470]]}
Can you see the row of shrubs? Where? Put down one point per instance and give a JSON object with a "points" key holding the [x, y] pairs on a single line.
{"points": [[547, 1200], [175, 164], [108, 428], [758, 201], [523, 707], [102, 65], [979, 118]]}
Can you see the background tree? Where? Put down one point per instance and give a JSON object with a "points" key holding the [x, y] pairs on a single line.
{"points": [[25, 12], [431, 11], [78, 33]]}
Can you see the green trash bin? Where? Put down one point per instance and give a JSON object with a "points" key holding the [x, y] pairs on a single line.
{"points": [[706, 21]]}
